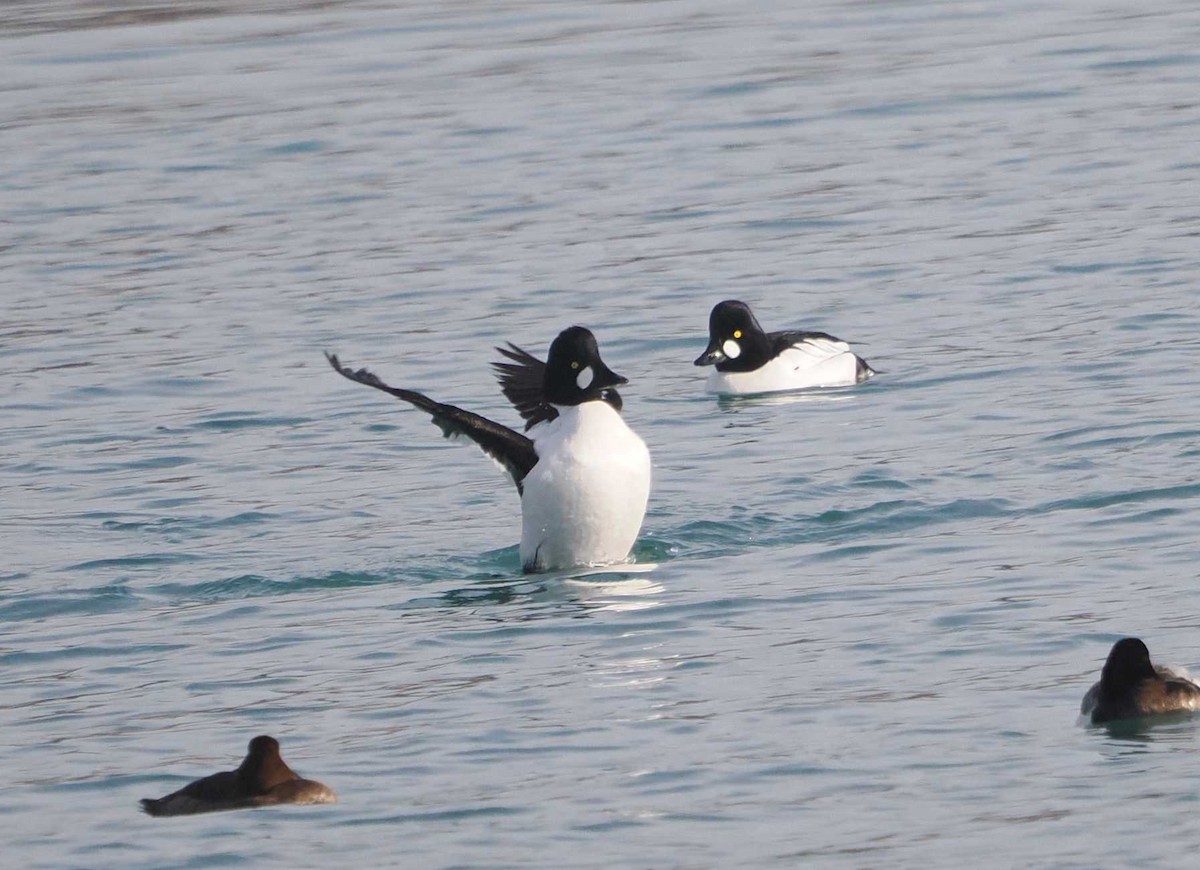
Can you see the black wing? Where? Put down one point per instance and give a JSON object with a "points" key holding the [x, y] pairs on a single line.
{"points": [[781, 341], [220, 791], [511, 449], [521, 382]]}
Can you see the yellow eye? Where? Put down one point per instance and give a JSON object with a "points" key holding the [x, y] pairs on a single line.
{"points": [[574, 365], [737, 333]]}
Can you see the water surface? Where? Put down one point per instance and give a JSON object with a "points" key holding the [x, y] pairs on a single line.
{"points": [[873, 611]]}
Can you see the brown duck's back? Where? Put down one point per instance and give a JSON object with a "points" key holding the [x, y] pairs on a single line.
{"points": [[1166, 692], [223, 791], [262, 779], [298, 791], [1169, 695]]}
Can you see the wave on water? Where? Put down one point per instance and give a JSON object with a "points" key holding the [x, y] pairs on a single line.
{"points": [[745, 530], [494, 577]]}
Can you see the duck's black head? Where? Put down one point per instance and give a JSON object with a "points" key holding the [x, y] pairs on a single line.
{"points": [[736, 343], [1128, 662], [575, 373], [264, 767]]}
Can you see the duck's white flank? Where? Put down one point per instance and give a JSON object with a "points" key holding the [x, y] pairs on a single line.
{"points": [[811, 363], [584, 501]]}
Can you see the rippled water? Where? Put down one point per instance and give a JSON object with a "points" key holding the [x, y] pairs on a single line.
{"points": [[873, 611]]}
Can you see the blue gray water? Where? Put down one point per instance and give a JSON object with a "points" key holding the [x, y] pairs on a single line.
{"points": [[861, 620]]}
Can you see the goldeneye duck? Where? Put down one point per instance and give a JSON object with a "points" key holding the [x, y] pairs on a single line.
{"points": [[1130, 686], [583, 475], [749, 360], [262, 780]]}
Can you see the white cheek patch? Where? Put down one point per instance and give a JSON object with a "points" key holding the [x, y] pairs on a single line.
{"points": [[731, 349], [584, 379]]}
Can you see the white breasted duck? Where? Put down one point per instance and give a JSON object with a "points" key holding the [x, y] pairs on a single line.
{"points": [[262, 780], [1131, 687], [749, 360], [583, 475]]}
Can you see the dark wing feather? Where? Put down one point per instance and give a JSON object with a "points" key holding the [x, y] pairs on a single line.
{"points": [[782, 340], [220, 791], [511, 449], [521, 382]]}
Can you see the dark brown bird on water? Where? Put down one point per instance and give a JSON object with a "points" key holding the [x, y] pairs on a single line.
{"points": [[1131, 686], [262, 780]]}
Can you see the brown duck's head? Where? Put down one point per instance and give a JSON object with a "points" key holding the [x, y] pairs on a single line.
{"points": [[263, 767], [1128, 663]]}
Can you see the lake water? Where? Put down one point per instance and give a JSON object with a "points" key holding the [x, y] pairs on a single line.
{"points": [[861, 620]]}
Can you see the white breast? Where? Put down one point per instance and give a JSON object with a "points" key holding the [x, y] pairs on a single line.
{"points": [[812, 363], [584, 501]]}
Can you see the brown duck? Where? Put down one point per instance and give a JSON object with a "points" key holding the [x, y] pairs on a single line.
{"points": [[1131, 686], [262, 780]]}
